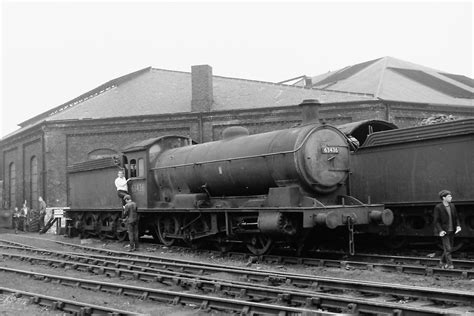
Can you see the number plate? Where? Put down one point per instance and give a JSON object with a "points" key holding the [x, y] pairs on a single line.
{"points": [[330, 150]]}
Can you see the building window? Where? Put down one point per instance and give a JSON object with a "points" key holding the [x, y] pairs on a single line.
{"points": [[12, 185], [34, 182], [141, 168]]}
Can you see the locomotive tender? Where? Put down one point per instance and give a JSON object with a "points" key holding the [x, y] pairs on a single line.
{"points": [[254, 189], [418, 162]]}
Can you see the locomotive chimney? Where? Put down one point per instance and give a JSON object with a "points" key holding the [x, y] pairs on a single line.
{"points": [[201, 88], [310, 110]]}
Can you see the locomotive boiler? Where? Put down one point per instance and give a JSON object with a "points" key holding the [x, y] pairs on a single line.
{"points": [[257, 190]]}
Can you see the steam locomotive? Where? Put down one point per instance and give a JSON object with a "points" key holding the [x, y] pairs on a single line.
{"points": [[257, 190]]}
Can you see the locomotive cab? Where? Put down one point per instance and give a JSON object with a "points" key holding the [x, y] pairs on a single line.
{"points": [[138, 157]]}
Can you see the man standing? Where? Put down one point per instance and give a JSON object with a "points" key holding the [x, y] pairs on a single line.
{"points": [[445, 219], [131, 219], [121, 185], [24, 216], [42, 212], [16, 219]]}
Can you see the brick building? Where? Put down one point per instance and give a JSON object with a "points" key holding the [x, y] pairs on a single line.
{"points": [[155, 102]]}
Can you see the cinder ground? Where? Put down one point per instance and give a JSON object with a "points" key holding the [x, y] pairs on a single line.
{"points": [[10, 305]]}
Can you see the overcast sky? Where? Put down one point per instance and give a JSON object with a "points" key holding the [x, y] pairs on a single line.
{"points": [[54, 51]]}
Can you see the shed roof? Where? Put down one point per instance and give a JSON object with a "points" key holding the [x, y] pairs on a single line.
{"points": [[161, 91], [152, 91], [393, 79]]}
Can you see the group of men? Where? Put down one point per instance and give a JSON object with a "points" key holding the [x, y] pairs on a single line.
{"points": [[21, 216]]}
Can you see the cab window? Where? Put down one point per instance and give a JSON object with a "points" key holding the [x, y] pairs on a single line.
{"points": [[141, 168], [133, 168]]}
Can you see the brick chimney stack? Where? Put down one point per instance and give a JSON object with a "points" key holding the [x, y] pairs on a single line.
{"points": [[201, 86]]}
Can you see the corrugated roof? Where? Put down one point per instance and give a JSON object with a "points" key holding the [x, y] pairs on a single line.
{"points": [[379, 77]]}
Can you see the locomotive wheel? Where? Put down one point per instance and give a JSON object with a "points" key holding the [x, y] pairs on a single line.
{"points": [[195, 228], [167, 225], [106, 221], [91, 219], [260, 244], [121, 232], [121, 235]]}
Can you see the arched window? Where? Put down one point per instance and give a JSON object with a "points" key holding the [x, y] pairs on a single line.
{"points": [[12, 185], [34, 182]]}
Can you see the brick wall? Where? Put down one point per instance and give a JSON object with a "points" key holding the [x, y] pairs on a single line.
{"points": [[20, 153], [406, 115], [81, 143]]}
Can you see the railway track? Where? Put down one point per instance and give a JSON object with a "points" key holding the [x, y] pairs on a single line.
{"points": [[398, 264], [236, 289], [68, 306], [143, 271], [385, 263], [171, 297]]}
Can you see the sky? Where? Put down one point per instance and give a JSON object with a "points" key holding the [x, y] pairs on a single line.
{"points": [[52, 52]]}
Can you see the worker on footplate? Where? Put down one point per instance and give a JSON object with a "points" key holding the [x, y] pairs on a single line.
{"points": [[122, 186], [447, 224], [131, 219]]}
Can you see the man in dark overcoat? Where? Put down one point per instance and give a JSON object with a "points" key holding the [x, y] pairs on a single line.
{"points": [[446, 222]]}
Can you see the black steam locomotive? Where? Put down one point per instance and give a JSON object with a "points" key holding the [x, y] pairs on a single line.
{"points": [[257, 190]]}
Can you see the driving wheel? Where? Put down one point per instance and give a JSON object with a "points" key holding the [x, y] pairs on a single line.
{"points": [[167, 225], [259, 244]]}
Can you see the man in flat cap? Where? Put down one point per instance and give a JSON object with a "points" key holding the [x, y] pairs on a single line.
{"points": [[131, 219], [447, 224]]}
